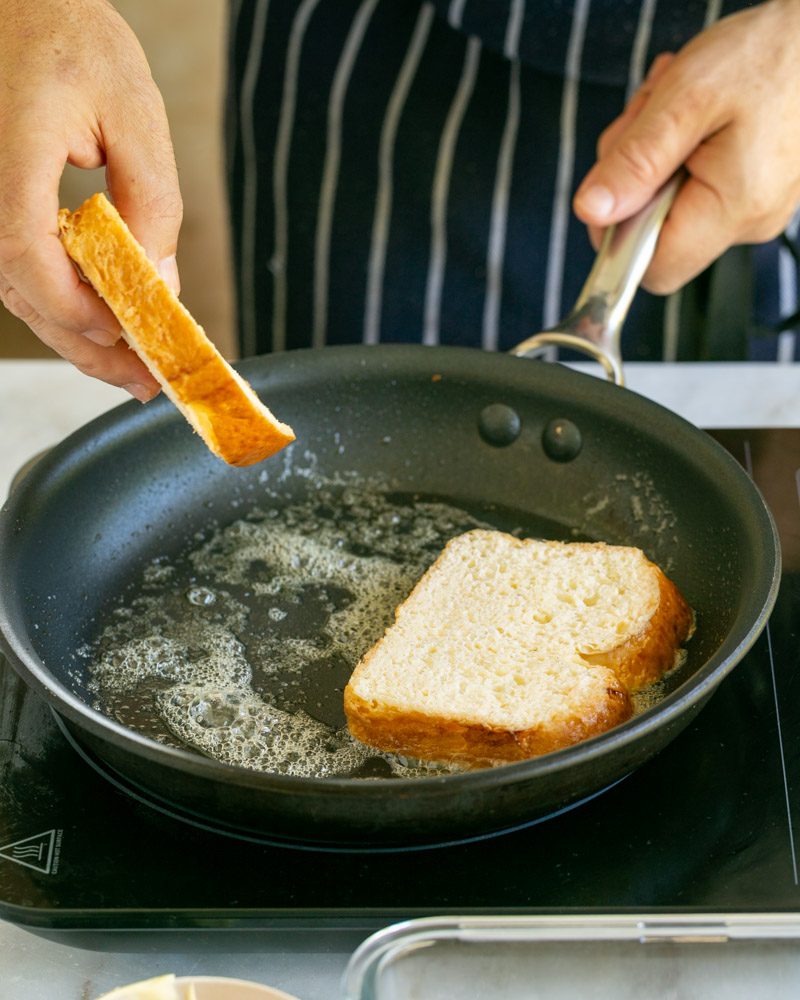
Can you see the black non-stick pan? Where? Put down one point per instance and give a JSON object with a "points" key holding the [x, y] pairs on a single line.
{"points": [[515, 441]]}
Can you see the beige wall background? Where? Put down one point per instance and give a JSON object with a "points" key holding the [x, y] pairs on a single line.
{"points": [[185, 45]]}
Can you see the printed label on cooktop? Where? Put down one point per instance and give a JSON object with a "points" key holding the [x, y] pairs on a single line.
{"points": [[40, 852]]}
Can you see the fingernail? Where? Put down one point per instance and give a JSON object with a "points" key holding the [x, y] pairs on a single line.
{"points": [[103, 337], [168, 269], [143, 393], [597, 201]]}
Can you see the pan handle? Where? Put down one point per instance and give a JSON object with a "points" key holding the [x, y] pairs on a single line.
{"points": [[594, 325]]}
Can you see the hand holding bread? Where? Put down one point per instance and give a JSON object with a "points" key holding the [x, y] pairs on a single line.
{"points": [[75, 88]]}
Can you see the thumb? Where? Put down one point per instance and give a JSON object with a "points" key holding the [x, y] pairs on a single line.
{"points": [[142, 180], [643, 155]]}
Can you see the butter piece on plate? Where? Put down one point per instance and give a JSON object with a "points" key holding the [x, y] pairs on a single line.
{"points": [[160, 988]]}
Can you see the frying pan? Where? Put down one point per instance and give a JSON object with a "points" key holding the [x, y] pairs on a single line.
{"points": [[485, 432]]}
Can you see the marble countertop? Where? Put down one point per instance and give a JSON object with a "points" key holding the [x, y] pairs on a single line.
{"points": [[43, 401]]}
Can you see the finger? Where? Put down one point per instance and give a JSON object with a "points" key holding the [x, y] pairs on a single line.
{"points": [[635, 104], [658, 67], [116, 364], [595, 235], [143, 179], [32, 259], [611, 134], [697, 231], [649, 150]]}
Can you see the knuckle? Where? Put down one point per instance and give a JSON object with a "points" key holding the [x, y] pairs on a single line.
{"points": [[758, 212], [661, 284], [757, 205], [650, 148], [669, 269], [764, 228], [604, 141], [14, 247], [641, 158], [696, 96], [86, 363], [19, 307]]}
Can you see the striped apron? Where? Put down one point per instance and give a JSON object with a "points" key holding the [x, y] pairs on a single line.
{"points": [[403, 171]]}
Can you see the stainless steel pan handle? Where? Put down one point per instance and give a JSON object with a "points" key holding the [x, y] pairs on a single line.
{"points": [[594, 325]]}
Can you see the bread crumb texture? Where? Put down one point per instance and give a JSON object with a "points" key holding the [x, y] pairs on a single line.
{"points": [[219, 404], [509, 648]]}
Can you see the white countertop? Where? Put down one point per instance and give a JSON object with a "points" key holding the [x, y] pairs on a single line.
{"points": [[43, 401]]}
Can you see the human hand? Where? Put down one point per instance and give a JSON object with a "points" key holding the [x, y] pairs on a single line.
{"points": [[75, 87], [726, 108]]}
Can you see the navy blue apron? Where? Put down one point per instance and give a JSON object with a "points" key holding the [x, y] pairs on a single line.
{"points": [[403, 171]]}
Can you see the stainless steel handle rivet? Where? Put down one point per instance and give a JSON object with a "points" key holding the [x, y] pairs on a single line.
{"points": [[562, 440], [499, 425]]}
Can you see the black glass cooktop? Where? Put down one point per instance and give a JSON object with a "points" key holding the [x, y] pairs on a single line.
{"points": [[708, 825]]}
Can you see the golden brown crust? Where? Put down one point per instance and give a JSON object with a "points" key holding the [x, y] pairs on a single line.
{"points": [[646, 657], [221, 407], [429, 737]]}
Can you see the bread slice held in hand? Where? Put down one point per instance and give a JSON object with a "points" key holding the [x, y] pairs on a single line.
{"points": [[214, 398], [508, 649]]}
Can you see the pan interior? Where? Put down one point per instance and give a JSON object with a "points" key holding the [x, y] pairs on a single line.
{"points": [[240, 647]]}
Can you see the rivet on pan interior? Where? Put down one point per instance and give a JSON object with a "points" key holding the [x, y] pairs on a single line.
{"points": [[499, 425], [561, 440]]}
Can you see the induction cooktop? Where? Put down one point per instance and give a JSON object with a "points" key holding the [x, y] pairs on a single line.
{"points": [[709, 825]]}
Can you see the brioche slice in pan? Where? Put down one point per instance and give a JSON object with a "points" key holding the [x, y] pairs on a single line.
{"points": [[214, 398], [508, 648]]}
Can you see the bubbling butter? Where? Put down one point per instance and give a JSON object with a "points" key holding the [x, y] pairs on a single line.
{"points": [[241, 650]]}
